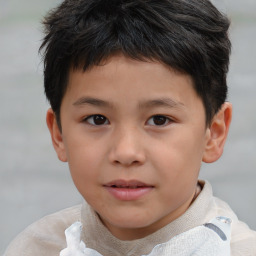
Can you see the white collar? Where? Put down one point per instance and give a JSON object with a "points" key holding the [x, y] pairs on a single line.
{"points": [[210, 239]]}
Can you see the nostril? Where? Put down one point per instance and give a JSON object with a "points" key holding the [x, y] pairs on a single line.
{"points": [[126, 162]]}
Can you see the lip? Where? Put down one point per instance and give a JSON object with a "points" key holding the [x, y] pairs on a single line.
{"points": [[130, 190]]}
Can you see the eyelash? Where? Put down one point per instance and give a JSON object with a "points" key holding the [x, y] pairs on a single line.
{"points": [[166, 120], [100, 118], [104, 121]]}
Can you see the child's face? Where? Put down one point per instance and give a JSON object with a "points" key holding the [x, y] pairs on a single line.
{"points": [[134, 136]]}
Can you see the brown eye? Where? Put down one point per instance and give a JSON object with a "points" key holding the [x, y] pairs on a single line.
{"points": [[158, 120], [97, 120]]}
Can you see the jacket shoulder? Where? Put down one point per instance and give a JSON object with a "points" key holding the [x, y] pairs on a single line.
{"points": [[46, 236], [243, 239]]}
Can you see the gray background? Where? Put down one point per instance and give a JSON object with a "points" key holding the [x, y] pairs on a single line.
{"points": [[34, 183]]}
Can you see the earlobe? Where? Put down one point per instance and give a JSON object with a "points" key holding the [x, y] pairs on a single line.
{"points": [[217, 134], [56, 135]]}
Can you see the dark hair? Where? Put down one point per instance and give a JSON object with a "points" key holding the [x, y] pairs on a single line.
{"points": [[190, 36]]}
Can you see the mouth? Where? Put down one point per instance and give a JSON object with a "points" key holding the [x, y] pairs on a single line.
{"points": [[128, 190]]}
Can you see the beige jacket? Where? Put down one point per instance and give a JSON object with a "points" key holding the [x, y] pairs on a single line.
{"points": [[46, 237]]}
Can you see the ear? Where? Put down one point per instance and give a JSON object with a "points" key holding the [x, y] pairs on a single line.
{"points": [[217, 134], [56, 135]]}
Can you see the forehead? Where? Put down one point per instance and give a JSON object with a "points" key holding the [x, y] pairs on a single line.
{"points": [[121, 66], [120, 77]]}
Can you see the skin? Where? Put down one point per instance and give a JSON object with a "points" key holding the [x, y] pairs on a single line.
{"points": [[136, 121]]}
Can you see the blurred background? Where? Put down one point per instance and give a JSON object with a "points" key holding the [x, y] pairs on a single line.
{"points": [[34, 183]]}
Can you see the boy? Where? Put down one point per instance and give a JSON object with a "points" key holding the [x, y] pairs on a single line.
{"points": [[137, 91]]}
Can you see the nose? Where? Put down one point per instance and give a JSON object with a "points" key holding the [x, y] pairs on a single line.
{"points": [[127, 149]]}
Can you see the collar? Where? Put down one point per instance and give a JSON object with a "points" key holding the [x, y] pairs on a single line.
{"points": [[94, 231]]}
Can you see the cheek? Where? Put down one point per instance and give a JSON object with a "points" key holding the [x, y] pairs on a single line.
{"points": [[178, 163], [179, 156], [84, 163], [85, 176], [82, 151]]}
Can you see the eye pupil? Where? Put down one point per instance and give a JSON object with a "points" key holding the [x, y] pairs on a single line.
{"points": [[99, 120], [159, 120]]}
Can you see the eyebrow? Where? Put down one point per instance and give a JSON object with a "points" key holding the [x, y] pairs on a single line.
{"points": [[92, 101], [162, 102]]}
